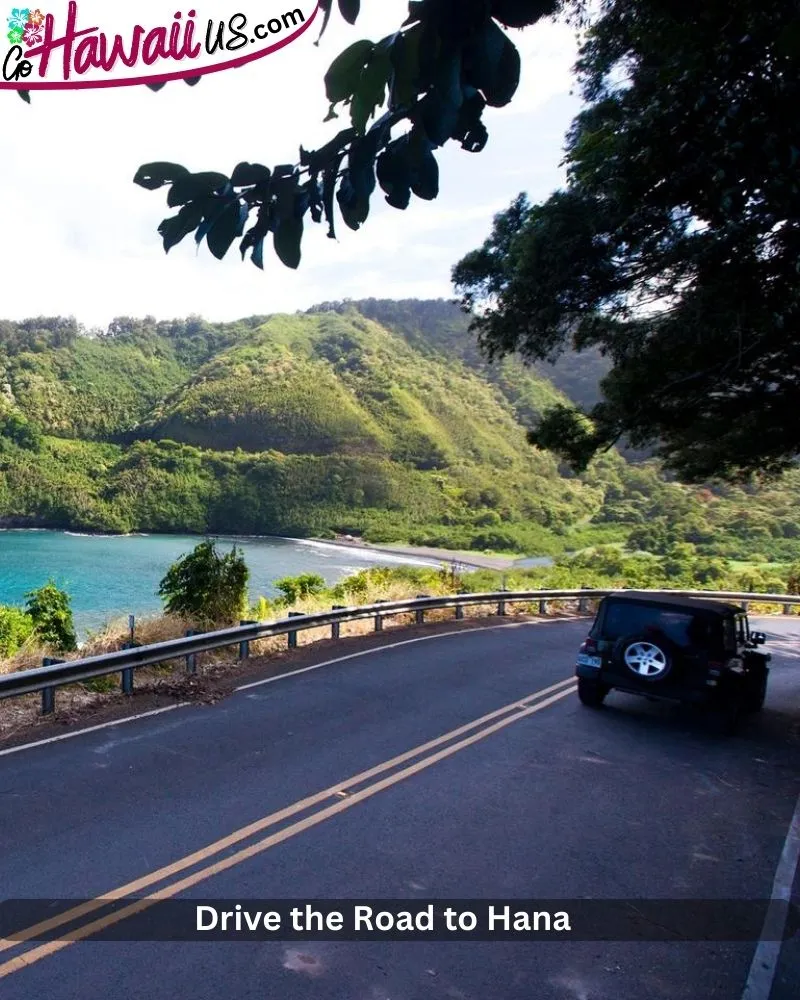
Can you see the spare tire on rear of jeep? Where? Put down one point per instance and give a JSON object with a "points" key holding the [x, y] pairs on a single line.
{"points": [[647, 657]]}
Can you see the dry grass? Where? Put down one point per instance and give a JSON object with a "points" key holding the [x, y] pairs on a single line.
{"points": [[77, 700]]}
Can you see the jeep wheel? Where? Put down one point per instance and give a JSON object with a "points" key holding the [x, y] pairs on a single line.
{"points": [[591, 693], [755, 691], [644, 658]]}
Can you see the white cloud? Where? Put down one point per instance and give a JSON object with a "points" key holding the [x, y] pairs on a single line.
{"points": [[80, 237]]}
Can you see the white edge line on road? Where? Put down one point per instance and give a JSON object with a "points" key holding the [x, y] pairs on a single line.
{"points": [[767, 953], [268, 680], [93, 729]]}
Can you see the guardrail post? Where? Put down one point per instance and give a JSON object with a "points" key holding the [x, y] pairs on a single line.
{"points": [[501, 607], [49, 693], [127, 673], [336, 627], [583, 604], [542, 607], [244, 645], [293, 635], [191, 659], [379, 618], [420, 612], [460, 607], [745, 605], [787, 609]]}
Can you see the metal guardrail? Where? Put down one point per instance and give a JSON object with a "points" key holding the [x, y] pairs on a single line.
{"points": [[57, 673]]}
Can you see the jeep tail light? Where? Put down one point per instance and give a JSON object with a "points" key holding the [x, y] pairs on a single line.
{"points": [[588, 646]]}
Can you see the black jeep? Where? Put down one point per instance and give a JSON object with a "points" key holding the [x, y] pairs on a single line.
{"points": [[681, 649]]}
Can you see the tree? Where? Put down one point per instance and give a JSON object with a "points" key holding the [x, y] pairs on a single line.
{"points": [[432, 79], [206, 586], [674, 247], [51, 613]]}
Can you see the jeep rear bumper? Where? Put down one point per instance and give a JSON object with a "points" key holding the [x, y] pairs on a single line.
{"points": [[658, 692]]}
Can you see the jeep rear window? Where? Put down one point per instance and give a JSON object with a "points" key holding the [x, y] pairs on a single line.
{"points": [[632, 619]]}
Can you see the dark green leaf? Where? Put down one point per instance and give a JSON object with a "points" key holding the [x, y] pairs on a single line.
{"points": [[155, 175], [25, 95], [325, 6], [174, 229], [245, 174], [192, 186], [317, 160], [344, 73], [394, 173], [192, 81], [416, 10], [405, 63], [437, 117], [470, 130], [329, 179], [226, 227], [521, 13], [493, 65], [256, 235], [350, 10], [370, 92], [426, 180], [257, 256], [287, 241], [156, 86]]}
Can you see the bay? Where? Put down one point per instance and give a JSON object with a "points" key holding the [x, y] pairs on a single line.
{"points": [[109, 577]]}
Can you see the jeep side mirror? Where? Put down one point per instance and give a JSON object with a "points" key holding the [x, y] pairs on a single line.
{"points": [[758, 638]]}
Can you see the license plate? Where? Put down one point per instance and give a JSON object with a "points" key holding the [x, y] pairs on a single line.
{"points": [[589, 661]]}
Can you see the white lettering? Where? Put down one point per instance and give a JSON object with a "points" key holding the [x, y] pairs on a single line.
{"points": [[562, 921], [363, 918], [503, 918], [211, 914], [467, 921]]}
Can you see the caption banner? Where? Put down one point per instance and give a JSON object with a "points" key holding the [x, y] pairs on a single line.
{"points": [[400, 920]]}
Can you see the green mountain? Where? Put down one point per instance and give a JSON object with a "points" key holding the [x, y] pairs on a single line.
{"points": [[441, 327], [374, 418]]}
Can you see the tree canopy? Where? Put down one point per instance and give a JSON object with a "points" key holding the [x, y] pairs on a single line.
{"points": [[406, 95], [674, 247]]}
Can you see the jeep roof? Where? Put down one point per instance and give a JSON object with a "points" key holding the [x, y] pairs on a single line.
{"points": [[674, 600]]}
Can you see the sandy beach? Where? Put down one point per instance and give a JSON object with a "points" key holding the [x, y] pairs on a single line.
{"points": [[470, 560]]}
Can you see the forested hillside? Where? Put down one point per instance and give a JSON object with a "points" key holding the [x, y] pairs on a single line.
{"points": [[374, 418]]}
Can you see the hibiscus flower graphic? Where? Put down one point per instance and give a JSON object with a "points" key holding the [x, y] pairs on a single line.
{"points": [[33, 35], [36, 17], [19, 18], [15, 36]]}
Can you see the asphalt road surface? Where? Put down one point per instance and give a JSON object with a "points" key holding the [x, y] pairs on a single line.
{"points": [[251, 798]]}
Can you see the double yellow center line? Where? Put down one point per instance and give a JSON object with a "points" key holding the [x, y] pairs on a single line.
{"points": [[346, 794]]}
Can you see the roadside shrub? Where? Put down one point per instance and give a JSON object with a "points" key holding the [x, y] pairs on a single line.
{"points": [[51, 613], [297, 588], [206, 586], [16, 627]]}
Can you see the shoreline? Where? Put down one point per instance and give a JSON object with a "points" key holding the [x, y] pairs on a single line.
{"points": [[467, 559], [471, 560]]}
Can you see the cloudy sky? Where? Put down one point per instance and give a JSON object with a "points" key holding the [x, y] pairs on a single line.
{"points": [[80, 238]]}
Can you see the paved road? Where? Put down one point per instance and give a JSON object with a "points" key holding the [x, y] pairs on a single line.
{"points": [[635, 800]]}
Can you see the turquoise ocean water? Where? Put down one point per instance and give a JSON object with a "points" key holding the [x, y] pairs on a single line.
{"points": [[110, 577]]}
